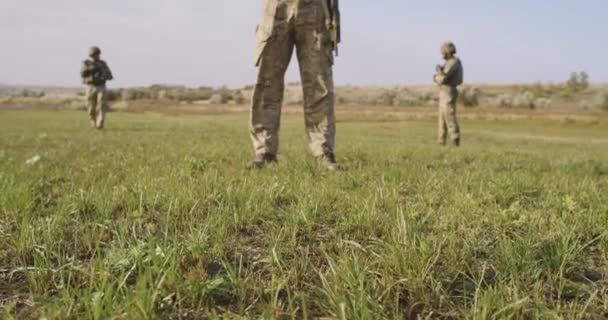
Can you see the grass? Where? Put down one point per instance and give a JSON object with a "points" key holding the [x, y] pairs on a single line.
{"points": [[156, 218]]}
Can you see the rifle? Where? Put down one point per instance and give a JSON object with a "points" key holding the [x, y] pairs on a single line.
{"points": [[95, 72]]}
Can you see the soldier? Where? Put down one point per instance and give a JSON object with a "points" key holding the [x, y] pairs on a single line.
{"points": [[95, 72], [448, 78], [313, 28]]}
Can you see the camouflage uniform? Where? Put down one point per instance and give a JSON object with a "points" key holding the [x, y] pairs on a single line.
{"points": [[311, 27], [448, 78], [95, 73]]}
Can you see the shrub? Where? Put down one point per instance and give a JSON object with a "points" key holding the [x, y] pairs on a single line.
{"points": [[114, 95], [600, 101], [403, 99], [585, 104], [74, 104], [577, 81], [237, 97], [217, 98], [341, 99], [293, 97], [128, 95], [502, 101], [469, 97], [387, 98], [25, 93], [542, 103], [524, 100]]}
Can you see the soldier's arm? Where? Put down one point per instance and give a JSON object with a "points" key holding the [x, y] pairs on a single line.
{"points": [[451, 67], [85, 69]]}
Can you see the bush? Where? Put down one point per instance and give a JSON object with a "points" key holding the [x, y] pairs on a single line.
{"points": [[114, 95], [543, 103], [341, 99], [524, 100], [25, 93], [469, 97], [293, 97], [577, 81], [218, 98], [600, 101], [128, 95], [585, 104], [502, 101], [404, 98], [387, 98], [237, 97]]}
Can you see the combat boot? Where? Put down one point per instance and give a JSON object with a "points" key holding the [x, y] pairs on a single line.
{"points": [[457, 142], [328, 161], [261, 160]]}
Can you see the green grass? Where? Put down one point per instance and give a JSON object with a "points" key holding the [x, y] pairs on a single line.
{"points": [[157, 218]]}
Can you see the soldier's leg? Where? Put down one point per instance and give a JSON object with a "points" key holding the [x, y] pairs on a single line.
{"points": [[442, 116], [91, 94], [315, 55], [452, 118], [102, 101], [267, 97]]}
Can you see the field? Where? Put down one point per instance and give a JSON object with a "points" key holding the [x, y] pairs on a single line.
{"points": [[157, 218]]}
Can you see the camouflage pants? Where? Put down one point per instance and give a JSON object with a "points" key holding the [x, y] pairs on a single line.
{"points": [[96, 105], [301, 26], [448, 121]]}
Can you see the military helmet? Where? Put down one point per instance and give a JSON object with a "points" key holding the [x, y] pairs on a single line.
{"points": [[448, 48], [94, 51]]}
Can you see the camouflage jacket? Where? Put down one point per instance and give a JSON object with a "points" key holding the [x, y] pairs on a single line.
{"points": [[451, 74], [95, 73]]}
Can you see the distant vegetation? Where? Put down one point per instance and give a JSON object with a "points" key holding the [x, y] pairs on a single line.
{"points": [[23, 93], [173, 93], [574, 92]]}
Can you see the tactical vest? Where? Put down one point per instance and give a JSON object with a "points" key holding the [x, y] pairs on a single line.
{"points": [[95, 73]]}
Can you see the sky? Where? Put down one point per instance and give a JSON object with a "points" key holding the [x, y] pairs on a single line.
{"points": [[385, 42]]}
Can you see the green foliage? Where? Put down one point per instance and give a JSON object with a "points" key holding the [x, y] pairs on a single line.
{"points": [[218, 98], [577, 82], [156, 218], [26, 93], [523, 100], [600, 101], [174, 93], [387, 98], [405, 98], [238, 97], [469, 96], [395, 96], [114, 95]]}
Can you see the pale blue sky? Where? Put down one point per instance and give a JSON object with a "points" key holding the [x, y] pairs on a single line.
{"points": [[386, 42]]}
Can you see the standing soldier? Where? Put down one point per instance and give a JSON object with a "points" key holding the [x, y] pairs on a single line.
{"points": [[95, 72], [313, 28], [448, 78]]}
